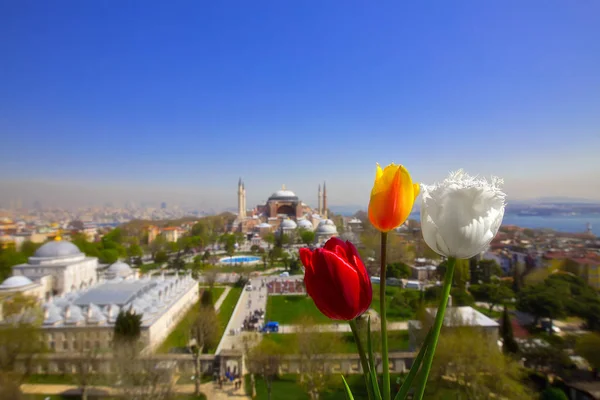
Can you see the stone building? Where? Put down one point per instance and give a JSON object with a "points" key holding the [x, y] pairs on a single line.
{"points": [[86, 318], [67, 267]]}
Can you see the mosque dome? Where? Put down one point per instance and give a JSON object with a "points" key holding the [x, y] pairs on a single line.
{"points": [[305, 224], [57, 248], [288, 224], [14, 282], [327, 227], [118, 270], [284, 194]]}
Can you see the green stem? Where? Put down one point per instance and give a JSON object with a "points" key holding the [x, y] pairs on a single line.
{"points": [[363, 358], [437, 327], [401, 395], [384, 343]]}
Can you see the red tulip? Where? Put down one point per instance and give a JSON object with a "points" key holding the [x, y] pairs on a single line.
{"points": [[337, 280]]}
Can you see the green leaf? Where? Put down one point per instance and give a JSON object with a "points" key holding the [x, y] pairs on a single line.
{"points": [[348, 392], [369, 345], [403, 392], [372, 369]]}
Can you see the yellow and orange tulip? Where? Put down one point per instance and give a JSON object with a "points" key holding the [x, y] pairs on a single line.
{"points": [[392, 197]]}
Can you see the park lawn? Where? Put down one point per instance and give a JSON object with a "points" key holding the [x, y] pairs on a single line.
{"points": [[486, 311], [290, 309], [288, 387], [51, 379], [180, 336], [397, 341], [217, 291], [227, 308]]}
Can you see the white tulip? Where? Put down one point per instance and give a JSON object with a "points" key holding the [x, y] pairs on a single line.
{"points": [[461, 215]]}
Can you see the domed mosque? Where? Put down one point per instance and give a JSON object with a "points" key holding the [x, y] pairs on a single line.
{"points": [[283, 211], [56, 267]]}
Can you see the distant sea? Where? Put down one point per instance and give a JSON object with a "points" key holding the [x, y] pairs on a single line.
{"points": [[566, 223]]}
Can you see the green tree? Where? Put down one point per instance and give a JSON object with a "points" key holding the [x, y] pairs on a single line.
{"points": [[398, 270], [269, 238], [509, 345], [28, 248], [285, 259], [20, 343], [158, 244], [461, 297], [472, 367], [134, 250], [493, 293], [9, 257], [588, 346], [307, 237], [127, 330], [264, 360], [551, 393], [161, 257], [254, 248], [541, 301], [109, 256]]}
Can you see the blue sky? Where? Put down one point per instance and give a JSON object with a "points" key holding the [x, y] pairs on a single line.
{"points": [[182, 98]]}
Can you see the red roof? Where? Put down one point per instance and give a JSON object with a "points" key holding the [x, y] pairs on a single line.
{"points": [[518, 331]]}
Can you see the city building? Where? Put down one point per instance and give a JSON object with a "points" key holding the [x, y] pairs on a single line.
{"points": [[86, 318], [68, 268], [455, 317], [280, 210], [171, 234], [25, 286], [325, 230]]}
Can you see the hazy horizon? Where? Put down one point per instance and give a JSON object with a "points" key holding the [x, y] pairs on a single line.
{"points": [[175, 102]]}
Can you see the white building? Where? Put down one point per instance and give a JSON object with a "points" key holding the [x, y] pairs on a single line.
{"points": [[21, 284], [68, 268], [86, 318], [325, 230], [456, 317]]}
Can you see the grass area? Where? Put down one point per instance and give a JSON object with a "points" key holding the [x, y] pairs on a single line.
{"points": [[342, 342], [51, 379], [287, 387], [486, 311], [180, 336], [290, 309], [217, 291], [227, 309]]}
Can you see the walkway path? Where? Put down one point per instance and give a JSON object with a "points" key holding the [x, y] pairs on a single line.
{"points": [[210, 389], [344, 327], [222, 298]]}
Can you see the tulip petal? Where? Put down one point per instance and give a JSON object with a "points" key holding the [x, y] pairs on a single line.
{"points": [[346, 276], [378, 173], [324, 289], [461, 215], [306, 257], [416, 189], [392, 198]]}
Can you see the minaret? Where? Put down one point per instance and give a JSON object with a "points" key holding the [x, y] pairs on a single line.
{"points": [[244, 200], [320, 198], [324, 200], [240, 198]]}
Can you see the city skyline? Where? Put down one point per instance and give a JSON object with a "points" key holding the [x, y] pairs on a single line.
{"points": [[174, 104]]}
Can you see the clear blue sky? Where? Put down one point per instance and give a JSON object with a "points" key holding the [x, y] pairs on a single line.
{"points": [[188, 96]]}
